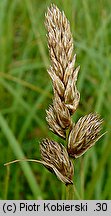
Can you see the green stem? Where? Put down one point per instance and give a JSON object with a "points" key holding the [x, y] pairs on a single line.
{"points": [[72, 193], [69, 192], [82, 176], [69, 187], [6, 183]]}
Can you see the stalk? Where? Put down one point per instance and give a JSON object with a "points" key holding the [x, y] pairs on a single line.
{"points": [[69, 192], [6, 183]]}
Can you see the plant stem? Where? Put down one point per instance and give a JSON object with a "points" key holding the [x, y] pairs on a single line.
{"points": [[72, 193], [69, 187], [6, 183], [82, 176], [69, 192]]}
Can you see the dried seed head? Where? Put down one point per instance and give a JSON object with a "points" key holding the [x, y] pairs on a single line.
{"points": [[84, 135], [57, 160], [60, 39], [62, 71]]}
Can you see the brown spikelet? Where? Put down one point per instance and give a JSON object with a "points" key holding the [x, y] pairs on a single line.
{"points": [[57, 160], [62, 112], [53, 123], [84, 134], [62, 70]]}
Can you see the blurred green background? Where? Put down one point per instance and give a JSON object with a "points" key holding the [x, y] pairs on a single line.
{"points": [[26, 92]]}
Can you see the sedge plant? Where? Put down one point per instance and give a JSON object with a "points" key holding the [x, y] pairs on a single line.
{"points": [[79, 136]]}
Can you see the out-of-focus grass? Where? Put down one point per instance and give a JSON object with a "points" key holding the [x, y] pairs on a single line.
{"points": [[26, 91]]}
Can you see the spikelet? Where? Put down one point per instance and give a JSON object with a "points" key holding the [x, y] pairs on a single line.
{"points": [[62, 71], [84, 134], [57, 160], [53, 123]]}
